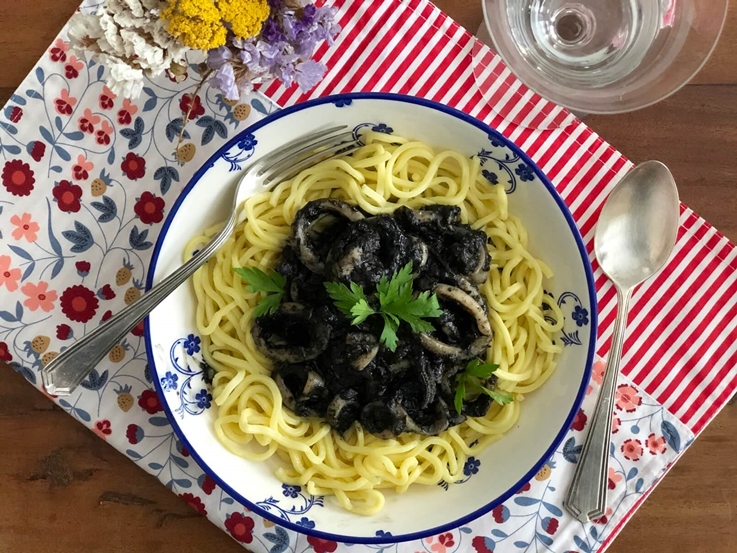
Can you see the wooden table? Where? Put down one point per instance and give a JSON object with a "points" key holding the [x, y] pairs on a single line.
{"points": [[63, 490]]}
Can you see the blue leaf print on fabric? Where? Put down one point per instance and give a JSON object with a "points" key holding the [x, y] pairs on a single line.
{"points": [[571, 451], [81, 237], [526, 501], [46, 134], [95, 381], [174, 127], [137, 239], [632, 473], [166, 175], [498, 533], [259, 106], [20, 252], [671, 435], [553, 509], [62, 153], [107, 208], [279, 538], [40, 75]]}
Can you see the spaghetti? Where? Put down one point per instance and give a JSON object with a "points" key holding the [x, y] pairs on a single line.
{"points": [[357, 467]]}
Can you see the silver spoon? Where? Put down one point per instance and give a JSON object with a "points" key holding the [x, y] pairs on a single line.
{"points": [[635, 236]]}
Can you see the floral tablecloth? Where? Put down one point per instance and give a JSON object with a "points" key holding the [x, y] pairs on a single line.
{"points": [[86, 180]]}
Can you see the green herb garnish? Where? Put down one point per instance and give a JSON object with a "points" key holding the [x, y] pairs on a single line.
{"points": [[475, 371], [396, 304], [271, 285]]}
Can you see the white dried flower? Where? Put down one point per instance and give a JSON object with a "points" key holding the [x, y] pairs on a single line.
{"points": [[124, 80], [128, 37]]}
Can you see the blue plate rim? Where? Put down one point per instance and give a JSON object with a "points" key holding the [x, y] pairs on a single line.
{"points": [[584, 258]]}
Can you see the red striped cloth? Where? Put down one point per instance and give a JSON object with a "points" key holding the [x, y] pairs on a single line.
{"points": [[682, 339]]}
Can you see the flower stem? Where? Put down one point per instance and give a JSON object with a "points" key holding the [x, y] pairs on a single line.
{"points": [[205, 76]]}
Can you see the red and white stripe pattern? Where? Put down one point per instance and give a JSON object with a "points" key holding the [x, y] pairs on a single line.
{"points": [[682, 339]]}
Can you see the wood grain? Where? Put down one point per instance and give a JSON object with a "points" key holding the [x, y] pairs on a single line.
{"points": [[64, 490]]}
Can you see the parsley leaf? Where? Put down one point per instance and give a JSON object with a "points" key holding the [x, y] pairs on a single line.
{"points": [[397, 303], [460, 395], [351, 301], [271, 284], [480, 370], [477, 370]]}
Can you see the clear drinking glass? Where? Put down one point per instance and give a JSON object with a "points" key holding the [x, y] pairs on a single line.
{"points": [[604, 56]]}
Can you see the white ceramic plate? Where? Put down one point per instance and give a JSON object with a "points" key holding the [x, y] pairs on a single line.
{"points": [[173, 344]]}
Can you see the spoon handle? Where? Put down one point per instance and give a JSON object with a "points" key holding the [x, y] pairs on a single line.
{"points": [[586, 498]]}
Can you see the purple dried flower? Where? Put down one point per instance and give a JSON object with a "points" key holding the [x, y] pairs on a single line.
{"points": [[308, 74], [217, 57], [224, 81]]}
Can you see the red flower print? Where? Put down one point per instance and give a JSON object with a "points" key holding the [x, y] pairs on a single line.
{"points": [[500, 514], [138, 329], [598, 373], [106, 98], [88, 121], [64, 332], [616, 423], [550, 525], [79, 303], [17, 177], [83, 268], [632, 449], [24, 227], [149, 402], [133, 166], [73, 67], [149, 208], [208, 485], [605, 518], [482, 544], [322, 546], [655, 445], [102, 428], [67, 196], [194, 502], [81, 170], [523, 489], [37, 149], [5, 352], [106, 292], [15, 114], [197, 109], [579, 423], [446, 539], [627, 398], [64, 103], [241, 527], [102, 135], [8, 277], [59, 50], [614, 478], [126, 113], [134, 433], [39, 296], [106, 315]]}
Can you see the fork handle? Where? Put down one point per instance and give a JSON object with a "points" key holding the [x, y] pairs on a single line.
{"points": [[586, 499], [72, 366]]}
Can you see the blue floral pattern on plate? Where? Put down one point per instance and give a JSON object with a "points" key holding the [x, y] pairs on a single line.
{"points": [[186, 360]]}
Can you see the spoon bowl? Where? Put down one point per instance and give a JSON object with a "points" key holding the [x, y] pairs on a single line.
{"points": [[638, 225]]}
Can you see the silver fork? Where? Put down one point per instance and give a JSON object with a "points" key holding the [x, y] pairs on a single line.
{"points": [[70, 368]]}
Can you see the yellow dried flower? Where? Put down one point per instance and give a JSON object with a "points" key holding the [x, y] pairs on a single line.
{"points": [[246, 17], [197, 23]]}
